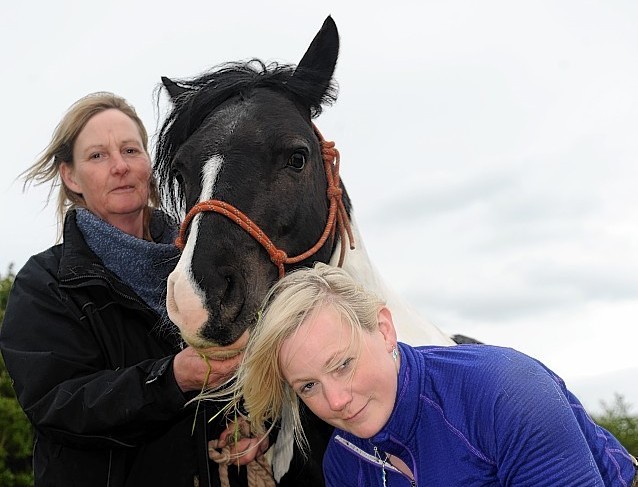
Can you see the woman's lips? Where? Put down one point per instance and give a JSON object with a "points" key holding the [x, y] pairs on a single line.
{"points": [[355, 415], [123, 188]]}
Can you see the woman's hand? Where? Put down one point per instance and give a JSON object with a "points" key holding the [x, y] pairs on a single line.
{"points": [[241, 448], [193, 370]]}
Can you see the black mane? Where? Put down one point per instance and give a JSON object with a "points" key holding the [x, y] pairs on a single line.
{"points": [[203, 94]]}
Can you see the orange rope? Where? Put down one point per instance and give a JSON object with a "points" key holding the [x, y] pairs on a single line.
{"points": [[337, 216]]}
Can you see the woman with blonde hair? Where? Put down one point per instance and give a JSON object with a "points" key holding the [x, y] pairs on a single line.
{"points": [[98, 369], [462, 415]]}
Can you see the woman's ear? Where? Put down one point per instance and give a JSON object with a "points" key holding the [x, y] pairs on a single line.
{"points": [[68, 177], [386, 327]]}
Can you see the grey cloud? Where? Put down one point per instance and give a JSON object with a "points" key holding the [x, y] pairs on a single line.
{"points": [[434, 201], [613, 282], [494, 307]]}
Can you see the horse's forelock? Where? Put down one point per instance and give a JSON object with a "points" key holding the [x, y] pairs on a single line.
{"points": [[206, 92]]}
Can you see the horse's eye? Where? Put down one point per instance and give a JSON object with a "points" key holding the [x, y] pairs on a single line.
{"points": [[297, 161]]}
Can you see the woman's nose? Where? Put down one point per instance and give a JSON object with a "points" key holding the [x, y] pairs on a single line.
{"points": [[338, 396], [118, 164]]}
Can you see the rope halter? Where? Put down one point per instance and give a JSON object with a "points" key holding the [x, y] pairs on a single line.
{"points": [[337, 217]]}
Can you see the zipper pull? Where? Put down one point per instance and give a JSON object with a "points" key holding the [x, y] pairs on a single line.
{"points": [[376, 454]]}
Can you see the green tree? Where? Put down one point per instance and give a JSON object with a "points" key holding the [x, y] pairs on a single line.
{"points": [[5, 286], [618, 420], [16, 437]]}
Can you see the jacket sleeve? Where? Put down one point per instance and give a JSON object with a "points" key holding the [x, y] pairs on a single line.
{"points": [[536, 438], [60, 376]]}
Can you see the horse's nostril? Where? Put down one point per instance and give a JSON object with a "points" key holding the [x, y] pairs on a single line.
{"points": [[232, 299], [229, 285]]}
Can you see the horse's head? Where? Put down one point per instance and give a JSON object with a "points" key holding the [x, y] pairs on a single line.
{"points": [[242, 134]]}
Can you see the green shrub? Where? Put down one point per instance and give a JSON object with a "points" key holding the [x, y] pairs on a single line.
{"points": [[16, 434], [618, 420]]}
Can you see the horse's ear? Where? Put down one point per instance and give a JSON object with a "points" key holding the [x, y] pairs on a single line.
{"points": [[318, 63], [174, 90]]}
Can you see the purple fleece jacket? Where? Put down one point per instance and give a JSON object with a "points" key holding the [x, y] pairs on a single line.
{"points": [[472, 415]]}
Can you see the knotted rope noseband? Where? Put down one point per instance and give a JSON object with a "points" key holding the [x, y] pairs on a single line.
{"points": [[337, 217]]}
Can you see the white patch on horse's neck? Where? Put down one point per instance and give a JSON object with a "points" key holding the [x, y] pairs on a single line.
{"points": [[411, 327]]}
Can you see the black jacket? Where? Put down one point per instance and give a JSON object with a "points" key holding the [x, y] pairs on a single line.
{"points": [[92, 368]]}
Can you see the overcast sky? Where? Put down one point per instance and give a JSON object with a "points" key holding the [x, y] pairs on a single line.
{"points": [[490, 148]]}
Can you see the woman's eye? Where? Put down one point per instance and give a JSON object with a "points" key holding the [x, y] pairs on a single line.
{"points": [[96, 155], [306, 388], [345, 364], [132, 150], [297, 161]]}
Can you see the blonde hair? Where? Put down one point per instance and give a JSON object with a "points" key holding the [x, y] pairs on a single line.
{"points": [[260, 380], [60, 149]]}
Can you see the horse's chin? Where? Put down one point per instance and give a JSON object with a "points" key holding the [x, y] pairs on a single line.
{"points": [[216, 352]]}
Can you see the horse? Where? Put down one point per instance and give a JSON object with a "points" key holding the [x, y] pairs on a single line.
{"points": [[239, 155]]}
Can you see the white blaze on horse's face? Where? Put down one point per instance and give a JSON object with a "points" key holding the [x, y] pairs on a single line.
{"points": [[185, 299]]}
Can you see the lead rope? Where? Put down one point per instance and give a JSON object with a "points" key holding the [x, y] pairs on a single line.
{"points": [[337, 216], [259, 472]]}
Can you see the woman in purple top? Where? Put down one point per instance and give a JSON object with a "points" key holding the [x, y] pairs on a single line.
{"points": [[438, 416]]}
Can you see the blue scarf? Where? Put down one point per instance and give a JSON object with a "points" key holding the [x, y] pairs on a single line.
{"points": [[142, 265]]}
